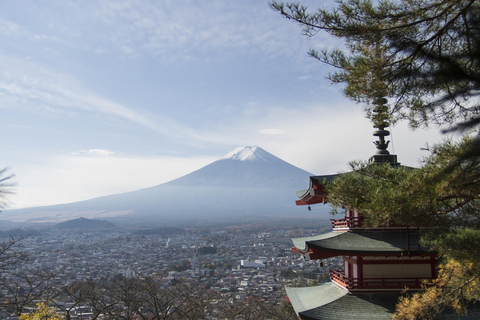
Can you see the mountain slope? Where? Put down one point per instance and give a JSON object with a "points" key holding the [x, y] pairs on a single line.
{"points": [[85, 224], [249, 167], [246, 182]]}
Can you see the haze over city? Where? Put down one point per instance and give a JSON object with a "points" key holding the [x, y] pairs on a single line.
{"points": [[99, 98]]}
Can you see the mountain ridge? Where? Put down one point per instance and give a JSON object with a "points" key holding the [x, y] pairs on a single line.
{"points": [[248, 181]]}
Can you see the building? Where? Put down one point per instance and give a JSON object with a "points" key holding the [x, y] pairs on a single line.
{"points": [[378, 263], [252, 264]]}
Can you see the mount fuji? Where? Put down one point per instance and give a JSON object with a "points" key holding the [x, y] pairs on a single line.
{"points": [[248, 182]]}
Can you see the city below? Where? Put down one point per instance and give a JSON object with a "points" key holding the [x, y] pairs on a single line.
{"points": [[231, 263]]}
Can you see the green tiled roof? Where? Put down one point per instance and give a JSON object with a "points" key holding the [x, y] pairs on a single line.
{"points": [[363, 242], [306, 298], [300, 243], [355, 306], [328, 301]]}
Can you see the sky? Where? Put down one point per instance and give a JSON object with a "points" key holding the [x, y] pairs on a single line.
{"points": [[105, 97]]}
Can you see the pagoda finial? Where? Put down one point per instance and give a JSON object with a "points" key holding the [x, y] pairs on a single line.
{"points": [[380, 119], [380, 122]]}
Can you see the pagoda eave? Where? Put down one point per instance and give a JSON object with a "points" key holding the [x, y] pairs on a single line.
{"points": [[330, 301], [316, 192], [315, 254], [324, 253], [308, 200], [362, 242]]}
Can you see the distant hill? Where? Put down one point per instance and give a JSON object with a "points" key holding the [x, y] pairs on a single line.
{"points": [[247, 183], [19, 233], [83, 223]]}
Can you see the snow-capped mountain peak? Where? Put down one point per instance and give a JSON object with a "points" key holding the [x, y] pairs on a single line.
{"points": [[248, 153], [247, 181]]}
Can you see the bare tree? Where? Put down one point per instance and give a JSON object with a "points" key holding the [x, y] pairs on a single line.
{"points": [[126, 292], [158, 300], [11, 252], [132, 298], [96, 296], [25, 288], [192, 300]]}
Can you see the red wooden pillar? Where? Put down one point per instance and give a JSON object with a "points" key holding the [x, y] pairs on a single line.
{"points": [[360, 268]]}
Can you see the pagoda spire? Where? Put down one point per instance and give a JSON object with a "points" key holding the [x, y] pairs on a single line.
{"points": [[381, 114], [380, 122]]}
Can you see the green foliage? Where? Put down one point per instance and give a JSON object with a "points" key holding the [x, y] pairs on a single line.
{"points": [[436, 195], [442, 197], [443, 193], [461, 244], [370, 187], [423, 53], [5, 188]]}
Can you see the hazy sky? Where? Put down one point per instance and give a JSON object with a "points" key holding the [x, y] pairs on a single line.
{"points": [[103, 97]]}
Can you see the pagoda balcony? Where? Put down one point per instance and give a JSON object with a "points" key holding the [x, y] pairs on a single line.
{"points": [[376, 284], [347, 223]]}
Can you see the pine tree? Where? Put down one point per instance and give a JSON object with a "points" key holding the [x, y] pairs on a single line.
{"points": [[431, 54], [424, 55]]}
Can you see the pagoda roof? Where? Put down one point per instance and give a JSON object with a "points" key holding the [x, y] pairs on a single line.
{"points": [[306, 298], [316, 191], [361, 241], [329, 301], [324, 178]]}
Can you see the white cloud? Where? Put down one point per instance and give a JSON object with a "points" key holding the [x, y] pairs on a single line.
{"points": [[8, 28], [319, 138], [13, 30], [271, 132], [27, 82], [100, 152], [184, 29], [94, 152], [24, 84]]}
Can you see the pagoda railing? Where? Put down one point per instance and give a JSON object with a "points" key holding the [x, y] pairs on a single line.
{"points": [[352, 222], [376, 284]]}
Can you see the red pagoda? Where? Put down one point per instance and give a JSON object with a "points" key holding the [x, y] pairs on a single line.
{"points": [[378, 263]]}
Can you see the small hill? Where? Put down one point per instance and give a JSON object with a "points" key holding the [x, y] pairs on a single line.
{"points": [[83, 223], [19, 233]]}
